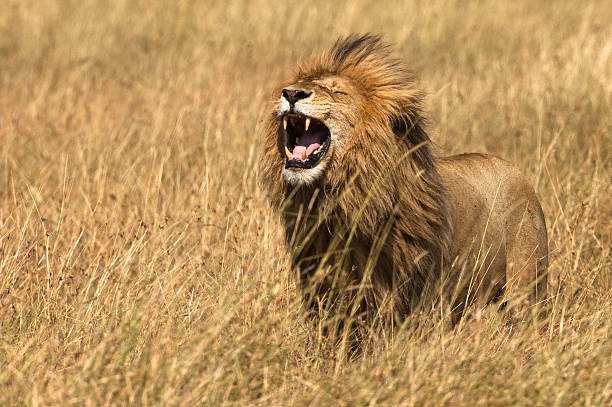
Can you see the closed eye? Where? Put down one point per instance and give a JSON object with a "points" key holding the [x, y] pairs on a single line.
{"points": [[331, 90]]}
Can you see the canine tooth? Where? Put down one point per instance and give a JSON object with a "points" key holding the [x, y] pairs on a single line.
{"points": [[285, 122], [307, 124], [304, 154], [288, 153], [297, 140]]}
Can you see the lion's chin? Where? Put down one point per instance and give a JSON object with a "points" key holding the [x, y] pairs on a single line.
{"points": [[303, 176]]}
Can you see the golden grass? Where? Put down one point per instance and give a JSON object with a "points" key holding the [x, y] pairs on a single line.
{"points": [[140, 264]]}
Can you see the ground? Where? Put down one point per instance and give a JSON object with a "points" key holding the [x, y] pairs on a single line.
{"points": [[140, 263]]}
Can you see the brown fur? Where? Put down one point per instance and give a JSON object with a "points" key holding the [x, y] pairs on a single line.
{"points": [[388, 221]]}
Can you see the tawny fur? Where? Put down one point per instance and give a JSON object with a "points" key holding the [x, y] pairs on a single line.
{"points": [[387, 221]]}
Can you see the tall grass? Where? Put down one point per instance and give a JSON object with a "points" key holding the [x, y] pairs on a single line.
{"points": [[140, 263]]}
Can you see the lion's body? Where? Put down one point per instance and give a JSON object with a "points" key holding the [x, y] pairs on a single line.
{"points": [[381, 220], [498, 227]]}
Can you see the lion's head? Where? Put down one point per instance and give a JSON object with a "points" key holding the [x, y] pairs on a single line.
{"points": [[351, 113]]}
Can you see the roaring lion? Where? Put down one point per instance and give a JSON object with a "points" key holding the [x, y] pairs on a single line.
{"points": [[373, 214]]}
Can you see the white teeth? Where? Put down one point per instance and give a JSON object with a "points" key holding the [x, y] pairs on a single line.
{"points": [[288, 153], [318, 150], [304, 154], [307, 124], [285, 122]]}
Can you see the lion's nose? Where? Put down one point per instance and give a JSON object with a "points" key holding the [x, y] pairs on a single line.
{"points": [[293, 95]]}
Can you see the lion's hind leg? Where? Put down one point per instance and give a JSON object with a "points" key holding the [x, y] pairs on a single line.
{"points": [[527, 251]]}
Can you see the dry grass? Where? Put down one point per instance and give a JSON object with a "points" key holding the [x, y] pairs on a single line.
{"points": [[139, 263]]}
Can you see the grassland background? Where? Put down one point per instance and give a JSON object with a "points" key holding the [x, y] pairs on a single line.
{"points": [[139, 263]]}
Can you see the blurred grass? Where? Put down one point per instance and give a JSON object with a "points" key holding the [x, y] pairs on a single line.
{"points": [[139, 263]]}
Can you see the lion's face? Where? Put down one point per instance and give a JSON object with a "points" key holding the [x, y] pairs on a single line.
{"points": [[315, 118]]}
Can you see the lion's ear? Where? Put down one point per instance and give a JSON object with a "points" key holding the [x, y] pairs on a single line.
{"points": [[410, 129]]}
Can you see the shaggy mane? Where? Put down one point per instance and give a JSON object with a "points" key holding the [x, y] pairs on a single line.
{"points": [[387, 164]]}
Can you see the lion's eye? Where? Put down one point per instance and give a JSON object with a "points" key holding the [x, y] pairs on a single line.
{"points": [[332, 89]]}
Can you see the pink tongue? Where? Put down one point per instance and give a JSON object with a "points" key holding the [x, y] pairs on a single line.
{"points": [[298, 151], [308, 142]]}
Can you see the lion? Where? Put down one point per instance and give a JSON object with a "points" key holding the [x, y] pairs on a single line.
{"points": [[372, 212]]}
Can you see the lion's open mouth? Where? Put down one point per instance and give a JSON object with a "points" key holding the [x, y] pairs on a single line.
{"points": [[307, 140]]}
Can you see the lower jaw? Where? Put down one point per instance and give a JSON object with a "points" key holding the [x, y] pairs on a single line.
{"points": [[307, 164], [310, 161]]}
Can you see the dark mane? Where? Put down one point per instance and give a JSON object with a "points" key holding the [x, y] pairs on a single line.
{"points": [[364, 190], [354, 48]]}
